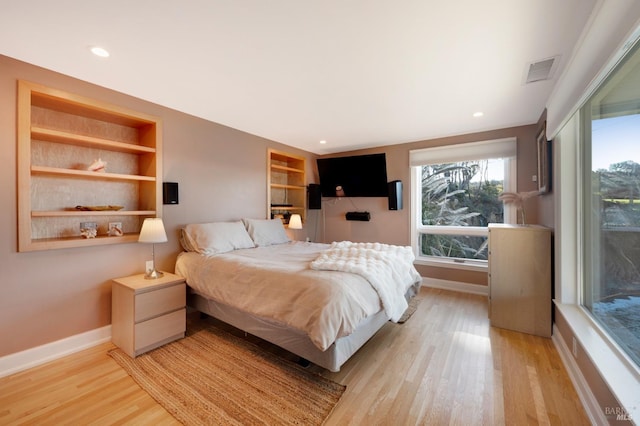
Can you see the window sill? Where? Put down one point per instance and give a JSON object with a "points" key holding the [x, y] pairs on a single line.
{"points": [[447, 263], [619, 373]]}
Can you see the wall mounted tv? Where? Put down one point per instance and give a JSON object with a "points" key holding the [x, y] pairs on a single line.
{"points": [[358, 175]]}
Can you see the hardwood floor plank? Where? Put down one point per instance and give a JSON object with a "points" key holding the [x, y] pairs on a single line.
{"points": [[445, 365]]}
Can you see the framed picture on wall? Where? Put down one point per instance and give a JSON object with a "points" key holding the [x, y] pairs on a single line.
{"points": [[544, 170]]}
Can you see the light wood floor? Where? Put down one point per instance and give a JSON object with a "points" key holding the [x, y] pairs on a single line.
{"points": [[445, 365]]}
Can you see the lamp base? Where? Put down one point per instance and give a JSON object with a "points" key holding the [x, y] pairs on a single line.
{"points": [[153, 274]]}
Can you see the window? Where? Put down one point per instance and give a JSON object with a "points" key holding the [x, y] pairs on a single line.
{"points": [[610, 152], [456, 197]]}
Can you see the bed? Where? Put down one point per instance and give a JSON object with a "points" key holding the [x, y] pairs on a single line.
{"points": [[321, 302]]}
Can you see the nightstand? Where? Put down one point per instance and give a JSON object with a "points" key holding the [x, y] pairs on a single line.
{"points": [[146, 313]]}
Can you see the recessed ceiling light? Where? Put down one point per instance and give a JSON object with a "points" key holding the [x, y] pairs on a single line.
{"points": [[100, 51], [322, 142], [478, 114]]}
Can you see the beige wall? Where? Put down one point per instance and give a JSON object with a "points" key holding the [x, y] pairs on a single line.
{"points": [[49, 295], [394, 227]]}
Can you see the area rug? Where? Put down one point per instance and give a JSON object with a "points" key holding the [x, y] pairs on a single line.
{"points": [[413, 305], [211, 377]]}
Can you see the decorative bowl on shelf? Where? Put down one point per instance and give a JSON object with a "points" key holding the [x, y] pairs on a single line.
{"points": [[99, 208]]}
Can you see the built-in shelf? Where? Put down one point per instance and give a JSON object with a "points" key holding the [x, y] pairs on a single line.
{"points": [[86, 141], [80, 213], [87, 174], [59, 136], [285, 168], [285, 186], [287, 190]]}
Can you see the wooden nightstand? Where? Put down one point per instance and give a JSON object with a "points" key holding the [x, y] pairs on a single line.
{"points": [[146, 314]]}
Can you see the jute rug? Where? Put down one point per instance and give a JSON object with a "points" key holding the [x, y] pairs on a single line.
{"points": [[212, 377], [413, 305]]}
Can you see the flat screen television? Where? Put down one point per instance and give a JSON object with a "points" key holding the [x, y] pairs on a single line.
{"points": [[357, 176]]}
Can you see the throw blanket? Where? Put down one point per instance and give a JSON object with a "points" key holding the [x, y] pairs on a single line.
{"points": [[387, 268]]}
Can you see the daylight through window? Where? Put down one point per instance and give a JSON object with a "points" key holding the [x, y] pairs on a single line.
{"points": [[457, 197], [611, 194]]}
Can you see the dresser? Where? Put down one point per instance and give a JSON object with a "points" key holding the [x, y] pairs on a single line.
{"points": [[147, 313], [520, 278]]}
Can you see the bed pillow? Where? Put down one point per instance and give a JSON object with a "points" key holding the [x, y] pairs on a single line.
{"points": [[266, 232], [186, 242], [216, 237]]}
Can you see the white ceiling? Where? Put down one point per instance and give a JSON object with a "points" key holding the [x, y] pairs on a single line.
{"points": [[356, 73]]}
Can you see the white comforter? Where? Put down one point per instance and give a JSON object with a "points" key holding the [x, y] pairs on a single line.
{"points": [[385, 266], [278, 284]]}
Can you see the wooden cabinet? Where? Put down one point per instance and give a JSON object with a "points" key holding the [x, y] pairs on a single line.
{"points": [[520, 278], [59, 136], [287, 190], [147, 313]]}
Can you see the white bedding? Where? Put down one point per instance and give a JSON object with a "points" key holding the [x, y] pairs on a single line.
{"points": [[278, 284], [383, 265]]}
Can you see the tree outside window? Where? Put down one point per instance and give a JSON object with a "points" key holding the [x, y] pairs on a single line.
{"points": [[462, 194]]}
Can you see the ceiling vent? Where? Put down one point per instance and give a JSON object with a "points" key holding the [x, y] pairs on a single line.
{"points": [[541, 70]]}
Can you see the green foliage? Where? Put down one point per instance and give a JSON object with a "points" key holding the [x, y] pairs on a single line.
{"points": [[619, 189], [458, 194]]}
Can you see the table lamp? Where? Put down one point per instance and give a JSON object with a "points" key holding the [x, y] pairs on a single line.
{"points": [[295, 221], [152, 232]]}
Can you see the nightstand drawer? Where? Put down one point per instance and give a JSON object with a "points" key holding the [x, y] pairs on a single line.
{"points": [[158, 302], [160, 330]]}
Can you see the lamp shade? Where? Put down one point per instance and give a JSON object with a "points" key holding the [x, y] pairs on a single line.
{"points": [[295, 221], [152, 231]]}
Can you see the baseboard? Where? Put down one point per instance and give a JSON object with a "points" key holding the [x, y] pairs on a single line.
{"points": [[587, 398], [29, 358], [456, 286]]}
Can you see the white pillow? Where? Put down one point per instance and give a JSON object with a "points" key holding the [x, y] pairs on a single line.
{"points": [[186, 242], [266, 232], [216, 237]]}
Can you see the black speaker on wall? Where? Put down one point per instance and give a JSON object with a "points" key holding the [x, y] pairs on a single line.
{"points": [[314, 197], [395, 195], [170, 193]]}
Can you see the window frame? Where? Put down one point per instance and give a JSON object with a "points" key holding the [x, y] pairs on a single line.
{"points": [[590, 224], [615, 368], [620, 373], [505, 148]]}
